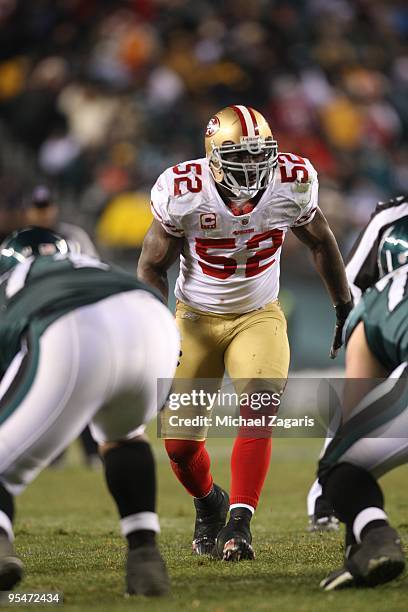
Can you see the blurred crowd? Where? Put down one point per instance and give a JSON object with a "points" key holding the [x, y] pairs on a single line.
{"points": [[97, 97]]}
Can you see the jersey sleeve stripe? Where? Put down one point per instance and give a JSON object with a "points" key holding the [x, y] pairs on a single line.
{"points": [[172, 227], [156, 212], [163, 222], [308, 217]]}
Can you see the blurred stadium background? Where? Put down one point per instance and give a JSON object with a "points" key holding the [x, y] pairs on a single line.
{"points": [[97, 97]]}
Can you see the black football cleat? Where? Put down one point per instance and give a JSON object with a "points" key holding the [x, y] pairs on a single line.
{"points": [[146, 572], [234, 540], [323, 518], [11, 567], [380, 557], [377, 560], [339, 579], [209, 521]]}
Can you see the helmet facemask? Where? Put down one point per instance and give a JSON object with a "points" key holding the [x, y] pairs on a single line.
{"points": [[256, 170]]}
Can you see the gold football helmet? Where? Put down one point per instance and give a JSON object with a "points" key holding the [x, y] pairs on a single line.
{"points": [[241, 150]]}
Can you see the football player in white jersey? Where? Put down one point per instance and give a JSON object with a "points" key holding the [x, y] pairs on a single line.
{"points": [[225, 216]]}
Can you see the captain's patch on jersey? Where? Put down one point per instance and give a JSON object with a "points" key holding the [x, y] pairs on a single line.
{"points": [[208, 221]]}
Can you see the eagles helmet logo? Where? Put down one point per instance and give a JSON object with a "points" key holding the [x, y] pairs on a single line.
{"points": [[393, 248]]}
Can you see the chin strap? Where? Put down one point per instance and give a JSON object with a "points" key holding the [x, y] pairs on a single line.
{"points": [[237, 190], [239, 195]]}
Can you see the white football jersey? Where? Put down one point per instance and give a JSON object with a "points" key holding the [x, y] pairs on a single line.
{"points": [[230, 264]]}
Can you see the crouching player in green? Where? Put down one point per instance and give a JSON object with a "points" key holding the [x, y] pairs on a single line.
{"points": [[374, 438], [81, 342]]}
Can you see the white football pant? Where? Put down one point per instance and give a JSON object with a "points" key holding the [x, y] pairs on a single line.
{"points": [[98, 364]]}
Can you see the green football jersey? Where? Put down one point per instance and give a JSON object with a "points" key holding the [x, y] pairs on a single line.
{"points": [[39, 291], [384, 311]]}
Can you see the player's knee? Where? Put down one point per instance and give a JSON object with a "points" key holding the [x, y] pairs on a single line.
{"points": [[104, 447], [183, 451], [330, 473]]}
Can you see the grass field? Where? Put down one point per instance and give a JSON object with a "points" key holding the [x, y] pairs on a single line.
{"points": [[67, 535]]}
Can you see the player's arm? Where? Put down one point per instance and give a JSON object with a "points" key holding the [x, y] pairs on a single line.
{"points": [[361, 364], [160, 251], [318, 236]]}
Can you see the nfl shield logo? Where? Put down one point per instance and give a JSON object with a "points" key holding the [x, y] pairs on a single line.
{"points": [[208, 221], [245, 221]]}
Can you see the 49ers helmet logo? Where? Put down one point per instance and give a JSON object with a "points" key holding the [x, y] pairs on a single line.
{"points": [[212, 127]]}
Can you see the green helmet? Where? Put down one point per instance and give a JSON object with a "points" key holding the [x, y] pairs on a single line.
{"points": [[29, 242], [393, 249]]}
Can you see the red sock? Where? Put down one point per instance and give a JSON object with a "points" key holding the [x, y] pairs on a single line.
{"points": [[249, 466], [190, 462]]}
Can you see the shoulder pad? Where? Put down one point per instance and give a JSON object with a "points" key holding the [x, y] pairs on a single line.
{"points": [[188, 186], [185, 203], [187, 177], [298, 178], [302, 189]]}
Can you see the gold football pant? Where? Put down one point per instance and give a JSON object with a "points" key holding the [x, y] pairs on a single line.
{"points": [[252, 347]]}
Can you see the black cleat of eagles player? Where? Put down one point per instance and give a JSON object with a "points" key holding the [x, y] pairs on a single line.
{"points": [[377, 560], [11, 567], [146, 572], [211, 515], [323, 518], [234, 540]]}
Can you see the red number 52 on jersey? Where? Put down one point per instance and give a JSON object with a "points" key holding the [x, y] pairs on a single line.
{"points": [[220, 266]]}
